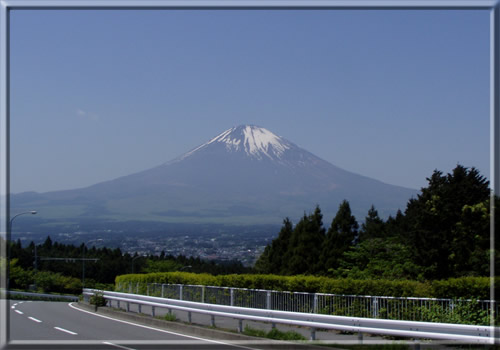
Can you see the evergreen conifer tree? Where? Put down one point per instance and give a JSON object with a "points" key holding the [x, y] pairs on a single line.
{"points": [[340, 237], [373, 227], [437, 221], [306, 244]]}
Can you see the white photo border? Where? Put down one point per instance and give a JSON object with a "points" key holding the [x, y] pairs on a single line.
{"points": [[6, 6]]}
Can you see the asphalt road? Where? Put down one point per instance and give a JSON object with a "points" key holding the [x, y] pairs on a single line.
{"points": [[61, 325]]}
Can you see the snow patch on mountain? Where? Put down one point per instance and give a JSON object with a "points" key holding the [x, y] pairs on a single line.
{"points": [[255, 141], [260, 140]]}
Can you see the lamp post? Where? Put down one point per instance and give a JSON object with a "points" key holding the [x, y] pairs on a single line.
{"points": [[9, 233]]}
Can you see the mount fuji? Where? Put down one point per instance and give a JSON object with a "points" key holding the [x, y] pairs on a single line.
{"points": [[245, 175]]}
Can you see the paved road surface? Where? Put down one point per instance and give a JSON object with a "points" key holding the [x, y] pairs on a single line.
{"points": [[58, 325]]}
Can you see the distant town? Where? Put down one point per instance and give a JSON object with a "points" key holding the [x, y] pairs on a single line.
{"points": [[217, 247]]}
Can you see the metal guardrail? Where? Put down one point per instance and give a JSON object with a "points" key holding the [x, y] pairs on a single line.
{"points": [[42, 296], [412, 329], [395, 308]]}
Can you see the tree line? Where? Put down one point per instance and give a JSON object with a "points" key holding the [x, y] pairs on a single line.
{"points": [[444, 232], [68, 272]]}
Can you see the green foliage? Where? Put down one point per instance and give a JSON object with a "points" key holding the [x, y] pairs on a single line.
{"points": [[161, 266], [447, 227], [305, 246], [444, 233], [273, 257], [391, 346], [170, 317], [462, 313], [51, 282], [273, 334], [19, 278], [340, 237], [98, 299], [464, 287], [373, 226], [385, 258]]}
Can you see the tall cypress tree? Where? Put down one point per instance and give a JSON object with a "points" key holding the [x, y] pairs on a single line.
{"points": [[305, 245], [373, 227], [279, 247], [272, 259], [340, 237], [432, 220]]}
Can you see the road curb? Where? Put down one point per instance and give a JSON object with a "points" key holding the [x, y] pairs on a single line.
{"points": [[195, 330]]}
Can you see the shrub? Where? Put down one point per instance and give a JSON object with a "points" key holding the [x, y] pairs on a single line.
{"points": [[465, 287], [98, 299]]}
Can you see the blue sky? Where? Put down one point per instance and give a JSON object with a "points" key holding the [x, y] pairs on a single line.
{"points": [[388, 94]]}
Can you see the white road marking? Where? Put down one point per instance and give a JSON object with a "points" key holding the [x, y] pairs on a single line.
{"points": [[34, 319], [65, 330], [19, 312], [21, 302], [118, 346], [13, 307], [159, 330]]}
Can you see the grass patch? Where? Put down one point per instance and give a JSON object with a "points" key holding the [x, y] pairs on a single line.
{"points": [[377, 347], [273, 334], [170, 317]]}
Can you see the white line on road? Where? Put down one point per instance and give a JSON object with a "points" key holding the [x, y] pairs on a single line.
{"points": [[34, 319], [13, 307], [118, 346], [19, 312], [160, 330], [65, 330]]}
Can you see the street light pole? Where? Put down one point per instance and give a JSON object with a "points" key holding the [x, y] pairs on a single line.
{"points": [[9, 235]]}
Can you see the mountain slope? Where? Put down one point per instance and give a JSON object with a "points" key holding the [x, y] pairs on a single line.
{"points": [[244, 175]]}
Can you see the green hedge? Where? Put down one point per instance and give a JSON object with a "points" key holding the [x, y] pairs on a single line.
{"points": [[465, 287]]}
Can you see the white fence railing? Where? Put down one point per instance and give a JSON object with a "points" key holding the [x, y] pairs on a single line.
{"points": [[395, 308], [468, 334]]}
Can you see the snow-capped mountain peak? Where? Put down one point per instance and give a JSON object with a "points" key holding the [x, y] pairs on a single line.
{"points": [[255, 141]]}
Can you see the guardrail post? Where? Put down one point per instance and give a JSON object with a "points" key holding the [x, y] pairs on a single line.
{"points": [[118, 304], [202, 294], [313, 334], [163, 291], [268, 300], [360, 338], [232, 296], [147, 289], [137, 288], [128, 307], [240, 326], [189, 316], [315, 306], [374, 307], [139, 306], [152, 311], [212, 321], [180, 292]]}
